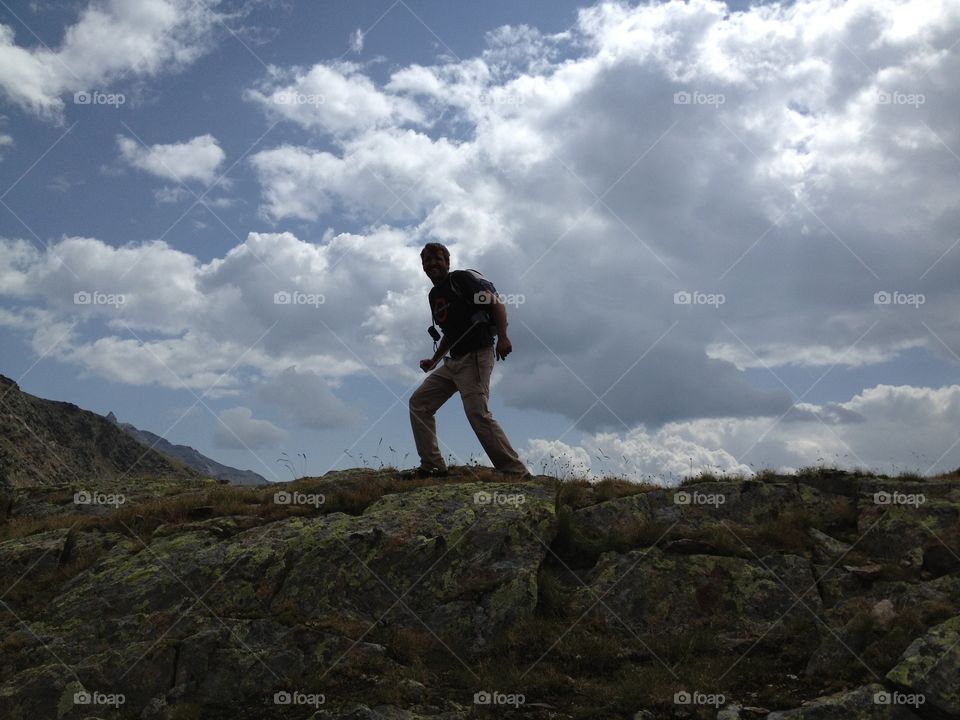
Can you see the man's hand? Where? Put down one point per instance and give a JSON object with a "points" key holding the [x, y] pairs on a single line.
{"points": [[504, 347], [428, 364]]}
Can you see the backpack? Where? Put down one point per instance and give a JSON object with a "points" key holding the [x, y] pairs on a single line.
{"points": [[483, 314]]}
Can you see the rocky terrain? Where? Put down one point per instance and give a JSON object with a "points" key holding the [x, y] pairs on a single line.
{"points": [[47, 441], [360, 595]]}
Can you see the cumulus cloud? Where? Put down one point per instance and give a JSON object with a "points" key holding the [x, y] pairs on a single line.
{"points": [[306, 399], [237, 429], [884, 428], [768, 160], [336, 98], [158, 36], [196, 159], [147, 313]]}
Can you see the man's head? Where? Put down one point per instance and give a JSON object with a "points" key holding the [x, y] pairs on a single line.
{"points": [[436, 261]]}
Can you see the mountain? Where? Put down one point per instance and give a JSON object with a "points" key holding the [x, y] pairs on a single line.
{"points": [[190, 457], [45, 442], [360, 596]]}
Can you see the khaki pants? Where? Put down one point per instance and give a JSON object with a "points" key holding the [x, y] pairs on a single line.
{"points": [[470, 375]]}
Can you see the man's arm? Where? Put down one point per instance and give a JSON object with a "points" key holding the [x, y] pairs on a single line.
{"points": [[428, 364], [504, 346]]}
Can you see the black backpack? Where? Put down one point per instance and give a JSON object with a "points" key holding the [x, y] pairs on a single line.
{"points": [[483, 314]]}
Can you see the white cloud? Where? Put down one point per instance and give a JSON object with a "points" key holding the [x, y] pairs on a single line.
{"points": [[785, 184], [885, 428], [383, 175], [238, 430], [335, 99], [111, 40], [356, 40], [196, 159]]}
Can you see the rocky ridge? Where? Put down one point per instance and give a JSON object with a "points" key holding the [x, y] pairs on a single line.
{"points": [[358, 595]]}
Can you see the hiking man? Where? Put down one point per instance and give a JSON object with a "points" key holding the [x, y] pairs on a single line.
{"points": [[459, 303]]}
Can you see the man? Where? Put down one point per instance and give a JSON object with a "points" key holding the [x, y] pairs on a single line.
{"points": [[455, 300]]}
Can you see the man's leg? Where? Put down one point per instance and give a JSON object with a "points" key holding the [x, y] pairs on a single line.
{"points": [[424, 403], [473, 382]]}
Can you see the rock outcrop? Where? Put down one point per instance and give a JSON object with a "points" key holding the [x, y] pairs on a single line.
{"points": [[359, 595]]}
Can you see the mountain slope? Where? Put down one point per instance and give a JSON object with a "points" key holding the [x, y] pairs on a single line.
{"points": [[46, 442], [189, 456]]}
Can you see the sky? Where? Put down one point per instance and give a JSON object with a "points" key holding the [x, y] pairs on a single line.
{"points": [[726, 234]]}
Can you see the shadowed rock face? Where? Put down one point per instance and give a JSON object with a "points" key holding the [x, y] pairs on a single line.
{"points": [[385, 599], [45, 442]]}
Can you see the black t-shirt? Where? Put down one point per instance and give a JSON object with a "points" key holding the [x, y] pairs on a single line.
{"points": [[457, 316]]}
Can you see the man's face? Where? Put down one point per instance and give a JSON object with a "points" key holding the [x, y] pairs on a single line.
{"points": [[435, 265]]}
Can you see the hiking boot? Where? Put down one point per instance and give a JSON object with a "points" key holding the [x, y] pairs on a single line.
{"points": [[423, 472]]}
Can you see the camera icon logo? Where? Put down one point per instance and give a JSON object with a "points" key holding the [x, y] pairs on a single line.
{"points": [[82, 97], [681, 498], [683, 297], [282, 498], [681, 98], [482, 698], [681, 698]]}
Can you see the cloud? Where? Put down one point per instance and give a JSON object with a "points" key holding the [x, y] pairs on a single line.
{"points": [[238, 430], [196, 159], [356, 40], [146, 314], [158, 36], [6, 140], [385, 175], [335, 98], [754, 159], [885, 428], [307, 400]]}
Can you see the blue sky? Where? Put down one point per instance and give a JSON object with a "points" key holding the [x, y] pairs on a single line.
{"points": [[730, 229]]}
